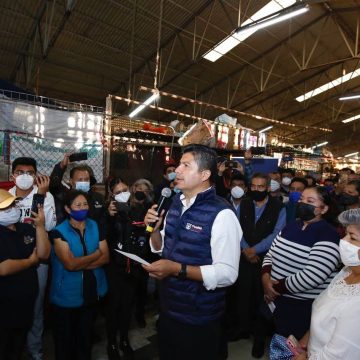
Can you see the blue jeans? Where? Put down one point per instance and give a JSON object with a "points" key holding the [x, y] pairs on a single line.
{"points": [[34, 335]]}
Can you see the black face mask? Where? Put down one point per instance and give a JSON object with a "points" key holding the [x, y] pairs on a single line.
{"points": [[305, 212], [140, 195], [346, 199], [258, 195]]}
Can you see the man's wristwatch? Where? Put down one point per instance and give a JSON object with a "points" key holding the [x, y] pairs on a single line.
{"points": [[182, 275]]}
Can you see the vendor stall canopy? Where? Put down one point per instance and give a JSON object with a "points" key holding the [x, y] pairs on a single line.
{"points": [[233, 54]]}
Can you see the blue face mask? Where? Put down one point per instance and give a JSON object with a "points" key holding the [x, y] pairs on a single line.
{"points": [[79, 215], [82, 186], [329, 188], [176, 190], [171, 176], [294, 196]]}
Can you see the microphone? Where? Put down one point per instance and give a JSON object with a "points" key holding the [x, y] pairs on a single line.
{"points": [[165, 194]]}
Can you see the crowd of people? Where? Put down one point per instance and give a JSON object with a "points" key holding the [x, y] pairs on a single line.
{"points": [[235, 254]]}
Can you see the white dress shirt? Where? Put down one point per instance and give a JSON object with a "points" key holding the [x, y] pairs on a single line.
{"points": [[335, 322], [225, 240], [25, 207]]}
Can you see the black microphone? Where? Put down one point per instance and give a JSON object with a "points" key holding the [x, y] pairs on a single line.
{"points": [[165, 194]]}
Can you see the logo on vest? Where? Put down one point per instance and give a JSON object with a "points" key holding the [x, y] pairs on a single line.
{"points": [[194, 228], [28, 239]]}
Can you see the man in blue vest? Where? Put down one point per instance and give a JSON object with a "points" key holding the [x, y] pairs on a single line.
{"points": [[200, 246]]}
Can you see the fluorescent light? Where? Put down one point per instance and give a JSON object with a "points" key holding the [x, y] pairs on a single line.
{"points": [[331, 84], [350, 97], [352, 154], [273, 12], [321, 144], [265, 129], [152, 98], [351, 119]]}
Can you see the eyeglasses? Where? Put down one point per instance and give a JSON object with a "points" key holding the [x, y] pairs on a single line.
{"points": [[22, 172]]}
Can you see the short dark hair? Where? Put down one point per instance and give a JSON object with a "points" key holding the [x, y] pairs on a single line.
{"points": [[204, 157], [167, 166], [299, 179], [284, 170], [264, 176], [239, 177], [81, 168], [72, 195], [23, 161], [312, 178]]}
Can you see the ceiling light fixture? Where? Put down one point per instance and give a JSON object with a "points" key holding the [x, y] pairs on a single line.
{"points": [[352, 154], [350, 119], [349, 97], [331, 84], [272, 13], [265, 129], [147, 102], [319, 145]]}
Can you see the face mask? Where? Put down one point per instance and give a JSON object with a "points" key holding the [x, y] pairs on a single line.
{"points": [[349, 253], [286, 181], [171, 176], [9, 216], [24, 182], [346, 199], [123, 197], [176, 190], [82, 186], [258, 195], [237, 192], [79, 215], [305, 212], [294, 196], [274, 185], [140, 195]]}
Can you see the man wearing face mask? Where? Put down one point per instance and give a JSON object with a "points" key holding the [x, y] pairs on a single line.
{"points": [[286, 176], [26, 185], [350, 197], [22, 246], [81, 178], [237, 191], [297, 186], [262, 217], [168, 177]]}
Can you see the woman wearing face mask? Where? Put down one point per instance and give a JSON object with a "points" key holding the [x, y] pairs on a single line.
{"points": [[350, 198], [78, 279], [21, 248], [335, 318], [126, 232], [301, 262]]}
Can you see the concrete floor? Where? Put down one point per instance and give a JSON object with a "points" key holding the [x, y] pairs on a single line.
{"points": [[144, 343]]}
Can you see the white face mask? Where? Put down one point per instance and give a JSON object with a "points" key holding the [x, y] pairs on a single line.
{"points": [[82, 186], [122, 197], [274, 185], [237, 192], [10, 216], [24, 182], [286, 181], [349, 253]]}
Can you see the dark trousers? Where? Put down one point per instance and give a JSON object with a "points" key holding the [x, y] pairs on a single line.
{"points": [[72, 330], [292, 316], [179, 341], [250, 294], [120, 301], [12, 342]]}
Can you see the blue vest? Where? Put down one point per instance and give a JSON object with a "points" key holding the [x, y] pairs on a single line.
{"points": [[187, 241], [67, 286]]}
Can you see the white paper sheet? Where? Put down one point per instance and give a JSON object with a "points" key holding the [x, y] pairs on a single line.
{"points": [[133, 257]]}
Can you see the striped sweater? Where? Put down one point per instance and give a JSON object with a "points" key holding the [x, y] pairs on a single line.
{"points": [[303, 261]]}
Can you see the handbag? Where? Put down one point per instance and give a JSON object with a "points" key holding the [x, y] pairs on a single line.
{"points": [[279, 349]]}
